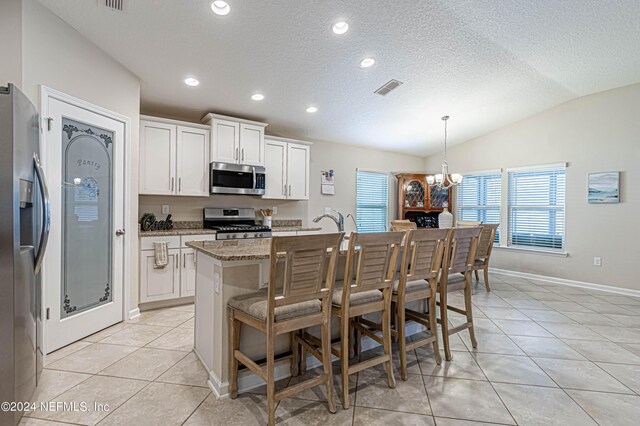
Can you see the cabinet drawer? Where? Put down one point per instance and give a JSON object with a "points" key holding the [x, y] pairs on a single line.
{"points": [[146, 243], [184, 239]]}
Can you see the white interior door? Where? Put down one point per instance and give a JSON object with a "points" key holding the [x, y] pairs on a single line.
{"points": [[83, 271]]}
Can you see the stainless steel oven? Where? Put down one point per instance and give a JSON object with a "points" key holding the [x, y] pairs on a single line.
{"points": [[225, 178]]}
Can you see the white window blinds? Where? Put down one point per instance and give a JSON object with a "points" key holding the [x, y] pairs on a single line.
{"points": [[372, 198], [479, 198], [536, 208]]}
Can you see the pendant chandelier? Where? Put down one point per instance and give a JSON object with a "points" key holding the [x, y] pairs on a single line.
{"points": [[443, 179]]}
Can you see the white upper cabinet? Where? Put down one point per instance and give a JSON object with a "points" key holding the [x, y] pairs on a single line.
{"points": [[193, 161], [275, 156], [174, 158], [157, 158], [287, 168], [251, 145], [235, 140], [225, 141], [298, 172]]}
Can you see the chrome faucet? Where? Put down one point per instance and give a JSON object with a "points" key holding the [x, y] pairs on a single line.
{"points": [[338, 220]]}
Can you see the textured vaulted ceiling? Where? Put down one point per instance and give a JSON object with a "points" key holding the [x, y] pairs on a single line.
{"points": [[486, 63]]}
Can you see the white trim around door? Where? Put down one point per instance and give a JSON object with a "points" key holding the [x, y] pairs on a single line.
{"points": [[48, 94]]}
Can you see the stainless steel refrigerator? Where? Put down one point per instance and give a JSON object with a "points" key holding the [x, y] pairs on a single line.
{"points": [[24, 229]]}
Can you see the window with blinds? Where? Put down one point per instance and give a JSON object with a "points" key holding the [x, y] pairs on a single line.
{"points": [[536, 208], [479, 198], [372, 199]]}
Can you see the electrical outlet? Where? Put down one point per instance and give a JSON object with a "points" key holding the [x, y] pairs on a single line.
{"points": [[274, 209], [597, 261], [165, 209], [327, 210]]}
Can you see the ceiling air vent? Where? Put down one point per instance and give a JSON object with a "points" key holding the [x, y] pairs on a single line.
{"points": [[388, 87], [114, 4]]}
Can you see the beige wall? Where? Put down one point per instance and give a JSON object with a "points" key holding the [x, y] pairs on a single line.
{"points": [[57, 56], [595, 133], [11, 37], [342, 159]]}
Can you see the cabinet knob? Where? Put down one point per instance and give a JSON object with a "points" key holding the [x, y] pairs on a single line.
{"points": [[119, 232]]}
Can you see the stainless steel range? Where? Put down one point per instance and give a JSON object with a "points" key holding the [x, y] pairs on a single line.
{"points": [[233, 224]]}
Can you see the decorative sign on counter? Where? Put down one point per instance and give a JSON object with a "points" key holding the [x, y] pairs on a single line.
{"points": [[327, 183], [148, 222]]}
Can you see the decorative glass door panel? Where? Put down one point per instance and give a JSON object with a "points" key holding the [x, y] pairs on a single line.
{"points": [[87, 203], [414, 194], [438, 198]]}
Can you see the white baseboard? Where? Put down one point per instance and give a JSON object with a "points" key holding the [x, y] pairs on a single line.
{"points": [[134, 313], [571, 283]]}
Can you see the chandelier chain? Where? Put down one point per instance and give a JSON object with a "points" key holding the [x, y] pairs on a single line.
{"points": [[445, 139]]}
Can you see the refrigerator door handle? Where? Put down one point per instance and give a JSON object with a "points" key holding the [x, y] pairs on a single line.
{"points": [[46, 213]]}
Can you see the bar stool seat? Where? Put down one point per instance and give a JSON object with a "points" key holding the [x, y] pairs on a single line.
{"points": [[357, 298], [256, 305]]}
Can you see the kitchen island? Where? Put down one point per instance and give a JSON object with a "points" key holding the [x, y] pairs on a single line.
{"points": [[225, 269], [230, 268]]}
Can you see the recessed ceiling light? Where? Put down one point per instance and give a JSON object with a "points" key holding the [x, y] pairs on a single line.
{"points": [[340, 27], [312, 109], [220, 7], [193, 82], [367, 62], [257, 96]]}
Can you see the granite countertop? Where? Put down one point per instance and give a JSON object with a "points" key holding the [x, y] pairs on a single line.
{"points": [[229, 250], [294, 228], [175, 232], [253, 249]]}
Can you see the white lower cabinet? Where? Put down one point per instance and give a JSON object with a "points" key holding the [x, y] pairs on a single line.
{"points": [[159, 283], [178, 278], [188, 272]]}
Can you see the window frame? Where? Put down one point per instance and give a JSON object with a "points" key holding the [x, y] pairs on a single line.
{"points": [[385, 221], [493, 172], [509, 210]]}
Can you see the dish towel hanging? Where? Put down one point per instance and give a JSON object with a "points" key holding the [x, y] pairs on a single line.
{"points": [[160, 255]]}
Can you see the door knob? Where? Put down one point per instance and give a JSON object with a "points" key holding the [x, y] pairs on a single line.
{"points": [[119, 232]]}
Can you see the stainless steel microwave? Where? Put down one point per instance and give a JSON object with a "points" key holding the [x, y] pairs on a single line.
{"points": [[225, 178]]}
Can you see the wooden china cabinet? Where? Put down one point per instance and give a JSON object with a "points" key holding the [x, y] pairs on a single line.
{"points": [[416, 199]]}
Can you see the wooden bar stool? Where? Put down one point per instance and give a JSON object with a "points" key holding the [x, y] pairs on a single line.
{"points": [[459, 257], [485, 246], [422, 256], [305, 301], [368, 283]]}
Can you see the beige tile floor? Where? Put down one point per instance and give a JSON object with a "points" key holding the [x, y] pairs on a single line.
{"points": [[547, 354]]}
